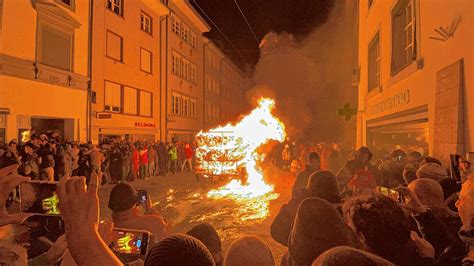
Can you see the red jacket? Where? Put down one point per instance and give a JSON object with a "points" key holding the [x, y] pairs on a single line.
{"points": [[188, 153]]}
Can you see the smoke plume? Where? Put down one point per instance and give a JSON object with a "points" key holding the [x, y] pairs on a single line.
{"points": [[311, 78]]}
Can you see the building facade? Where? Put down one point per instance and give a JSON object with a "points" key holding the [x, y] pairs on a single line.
{"points": [[126, 71], [213, 58], [224, 88], [44, 68], [416, 76], [182, 83]]}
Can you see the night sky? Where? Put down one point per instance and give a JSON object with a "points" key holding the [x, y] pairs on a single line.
{"points": [[298, 17]]}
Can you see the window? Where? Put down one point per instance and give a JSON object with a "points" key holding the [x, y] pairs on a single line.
{"points": [[145, 103], [193, 108], [130, 99], [403, 35], [55, 47], [113, 93], [193, 74], [145, 60], [374, 63], [175, 103], [193, 39], [176, 64], [176, 26], [185, 69], [185, 107], [115, 6], [145, 23], [184, 33], [114, 45]]}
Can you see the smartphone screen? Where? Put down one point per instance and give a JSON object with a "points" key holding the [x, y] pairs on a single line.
{"points": [[389, 192], [142, 196], [39, 197], [127, 241]]}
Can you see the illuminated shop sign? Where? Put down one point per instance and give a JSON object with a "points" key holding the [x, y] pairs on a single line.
{"points": [[395, 101], [144, 124]]}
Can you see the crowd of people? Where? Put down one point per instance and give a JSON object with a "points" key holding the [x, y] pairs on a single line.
{"points": [[49, 157], [403, 209]]}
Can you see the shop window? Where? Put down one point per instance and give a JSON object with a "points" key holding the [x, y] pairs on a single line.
{"points": [[55, 46], [403, 35], [146, 23], [145, 103], [130, 99], [145, 60], [175, 103], [374, 63], [113, 93], [114, 47], [115, 6]]}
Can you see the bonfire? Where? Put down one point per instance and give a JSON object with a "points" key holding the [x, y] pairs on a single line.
{"points": [[231, 152]]}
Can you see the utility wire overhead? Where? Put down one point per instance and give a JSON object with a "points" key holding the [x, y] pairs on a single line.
{"points": [[246, 21], [217, 27]]}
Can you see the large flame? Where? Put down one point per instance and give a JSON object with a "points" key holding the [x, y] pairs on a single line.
{"points": [[231, 151]]}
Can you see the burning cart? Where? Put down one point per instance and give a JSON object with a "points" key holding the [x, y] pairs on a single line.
{"points": [[220, 156]]}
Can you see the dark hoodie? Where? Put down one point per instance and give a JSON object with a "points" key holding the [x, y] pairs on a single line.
{"points": [[353, 165], [318, 227], [321, 184]]}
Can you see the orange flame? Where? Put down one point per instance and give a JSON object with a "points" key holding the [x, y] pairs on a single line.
{"points": [[231, 150]]}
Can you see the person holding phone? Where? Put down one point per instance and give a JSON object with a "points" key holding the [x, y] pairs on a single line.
{"points": [[124, 202]]}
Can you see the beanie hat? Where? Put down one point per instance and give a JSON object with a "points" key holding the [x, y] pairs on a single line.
{"points": [[179, 249], [122, 197], [433, 171], [313, 156], [208, 236], [249, 251], [323, 184], [349, 256], [318, 226]]}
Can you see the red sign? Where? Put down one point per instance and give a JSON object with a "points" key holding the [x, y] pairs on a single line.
{"points": [[143, 124]]}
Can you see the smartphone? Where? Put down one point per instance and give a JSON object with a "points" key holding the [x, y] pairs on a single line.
{"points": [[39, 197], [142, 195], [454, 166], [43, 225], [128, 241], [391, 193]]}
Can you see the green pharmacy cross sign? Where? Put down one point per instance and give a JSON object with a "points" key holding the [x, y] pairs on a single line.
{"points": [[347, 112]]}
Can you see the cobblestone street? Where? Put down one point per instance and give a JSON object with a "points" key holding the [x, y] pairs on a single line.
{"points": [[183, 202]]}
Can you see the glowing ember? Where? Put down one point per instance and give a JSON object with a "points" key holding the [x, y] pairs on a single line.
{"points": [[230, 151]]}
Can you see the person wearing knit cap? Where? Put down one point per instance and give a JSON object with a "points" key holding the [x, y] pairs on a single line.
{"points": [[321, 184], [318, 226], [433, 171], [125, 213], [209, 237], [179, 250], [249, 251], [349, 256]]}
